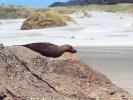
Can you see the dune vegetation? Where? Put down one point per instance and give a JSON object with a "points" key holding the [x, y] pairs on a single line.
{"points": [[46, 19], [14, 12], [126, 8]]}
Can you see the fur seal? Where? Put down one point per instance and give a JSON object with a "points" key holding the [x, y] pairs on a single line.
{"points": [[49, 49]]}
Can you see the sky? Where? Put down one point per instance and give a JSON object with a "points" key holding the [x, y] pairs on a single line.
{"points": [[31, 3]]}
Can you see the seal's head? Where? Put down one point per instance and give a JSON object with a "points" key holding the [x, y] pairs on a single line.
{"points": [[68, 48]]}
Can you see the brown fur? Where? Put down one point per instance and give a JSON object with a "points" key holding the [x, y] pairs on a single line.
{"points": [[49, 49]]}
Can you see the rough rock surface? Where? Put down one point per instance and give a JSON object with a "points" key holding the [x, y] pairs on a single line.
{"points": [[26, 75], [47, 19]]}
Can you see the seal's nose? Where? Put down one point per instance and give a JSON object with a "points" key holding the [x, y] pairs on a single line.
{"points": [[74, 51]]}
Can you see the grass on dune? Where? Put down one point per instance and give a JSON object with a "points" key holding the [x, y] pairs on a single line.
{"points": [[13, 12], [127, 8], [46, 19], [112, 8]]}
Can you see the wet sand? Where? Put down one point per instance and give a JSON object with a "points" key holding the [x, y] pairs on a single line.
{"points": [[115, 62]]}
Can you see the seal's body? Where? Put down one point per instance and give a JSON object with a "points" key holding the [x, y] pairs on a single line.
{"points": [[49, 49]]}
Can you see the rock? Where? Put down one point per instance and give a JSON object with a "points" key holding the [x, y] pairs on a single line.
{"points": [[2, 94], [27, 75], [47, 19], [71, 56], [1, 47]]}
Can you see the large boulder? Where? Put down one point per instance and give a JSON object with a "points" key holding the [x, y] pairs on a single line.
{"points": [[46, 19], [27, 75]]}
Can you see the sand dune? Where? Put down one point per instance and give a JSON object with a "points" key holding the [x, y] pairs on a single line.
{"points": [[102, 29]]}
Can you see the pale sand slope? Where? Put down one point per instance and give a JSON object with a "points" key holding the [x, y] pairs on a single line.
{"points": [[102, 29], [115, 63]]}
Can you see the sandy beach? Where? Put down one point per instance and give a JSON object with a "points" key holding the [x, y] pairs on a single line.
{"points": [[102, 29], [108, 37], [115, 62]]}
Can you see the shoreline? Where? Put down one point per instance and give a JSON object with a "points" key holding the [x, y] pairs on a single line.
{"points": [[87, 47], [114, 62]]}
